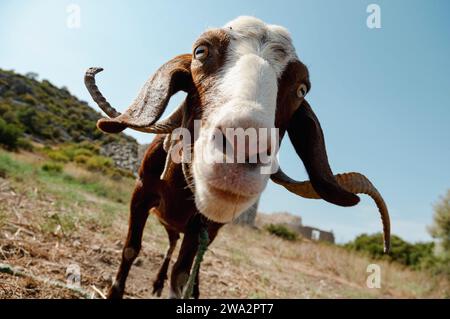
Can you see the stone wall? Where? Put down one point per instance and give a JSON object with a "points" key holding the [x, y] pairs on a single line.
{"points": [[295, 224], [316, 234]]}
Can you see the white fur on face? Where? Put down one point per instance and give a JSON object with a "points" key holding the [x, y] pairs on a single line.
{"points": [[247, 85], [251, 35]]}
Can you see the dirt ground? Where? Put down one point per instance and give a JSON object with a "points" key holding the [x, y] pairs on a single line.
{"points": [[241, 263]]}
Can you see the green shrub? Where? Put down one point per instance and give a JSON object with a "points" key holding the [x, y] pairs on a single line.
{"points": [[10, 117], [413, 255], [99, 163], [58, 156], [9, 134], [440, 231], [281, 231], [24, 144], [4, 108], [52, 167], [33, 122], [82, 152], [29, 99], [94, 148], [81, 159], [74, 150]]}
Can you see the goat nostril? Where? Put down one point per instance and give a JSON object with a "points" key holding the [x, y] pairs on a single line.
{"points": [[249, 149], [225, 143], [269, 150], [220, 140]]}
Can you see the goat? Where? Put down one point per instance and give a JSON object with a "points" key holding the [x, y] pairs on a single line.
{"points": [[243, 75]]}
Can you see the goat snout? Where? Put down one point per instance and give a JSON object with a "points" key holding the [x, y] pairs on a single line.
{"points": [[247, 143]]}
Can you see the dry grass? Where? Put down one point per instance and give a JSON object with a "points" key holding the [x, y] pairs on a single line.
{"points": [[48, 222], [332, 263]]}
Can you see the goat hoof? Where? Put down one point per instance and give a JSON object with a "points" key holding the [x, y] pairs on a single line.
{"points": [[115, 293], [158, 288], [157, 292]]}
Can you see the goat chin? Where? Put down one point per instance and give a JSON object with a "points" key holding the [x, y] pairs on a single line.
{"points": [[223, 192], [221, 206]]}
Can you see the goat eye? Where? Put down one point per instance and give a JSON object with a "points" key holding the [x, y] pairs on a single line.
{"points": [[201, 52], [302, 90]]}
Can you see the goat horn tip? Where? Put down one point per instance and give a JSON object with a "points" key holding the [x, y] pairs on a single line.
{"points": [[95, 70], [110, 125]]}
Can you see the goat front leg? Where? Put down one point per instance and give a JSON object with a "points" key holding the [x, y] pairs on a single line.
{"points": [[213, 229], [158, 284], [140, 204], [189, 247]]}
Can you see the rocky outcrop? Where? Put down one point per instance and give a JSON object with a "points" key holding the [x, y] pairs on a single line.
{"points": [[124, 155], [142, 148]]}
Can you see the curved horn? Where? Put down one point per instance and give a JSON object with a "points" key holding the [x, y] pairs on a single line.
{"points": [[143, 114], [307, 138], [355, 183], [97, 96]]}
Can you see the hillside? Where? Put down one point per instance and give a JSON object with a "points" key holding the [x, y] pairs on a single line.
{"points": [[51, 220], [39, 112], [49, 114]]}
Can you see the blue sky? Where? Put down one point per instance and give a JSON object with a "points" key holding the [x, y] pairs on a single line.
{"points": [[382, 95]]}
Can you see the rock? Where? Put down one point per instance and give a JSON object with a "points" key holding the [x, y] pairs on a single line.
{"points": [[96, 248], [118, 244], [19, 87], [124, 155]]}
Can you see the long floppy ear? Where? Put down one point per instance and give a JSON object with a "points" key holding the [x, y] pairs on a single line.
{"points": [[153, 98], [307, 138]]}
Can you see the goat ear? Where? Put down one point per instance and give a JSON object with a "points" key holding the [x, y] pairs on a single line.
{"points": [[153, 98], [307, 138]]}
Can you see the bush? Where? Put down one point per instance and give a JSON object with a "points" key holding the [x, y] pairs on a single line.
{"points": [[99, 163], [281, 231], [94, 148], [413, 255], [24, 144], [58, 156], [440, 230], [81, 159], [9, 134], [10, 117], [74, 150], [4, 108], [82, 152], [33, 122], [29, 99], [52, 167]]}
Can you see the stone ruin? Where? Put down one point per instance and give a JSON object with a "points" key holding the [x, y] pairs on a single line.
{"points": [[295, 224]]}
